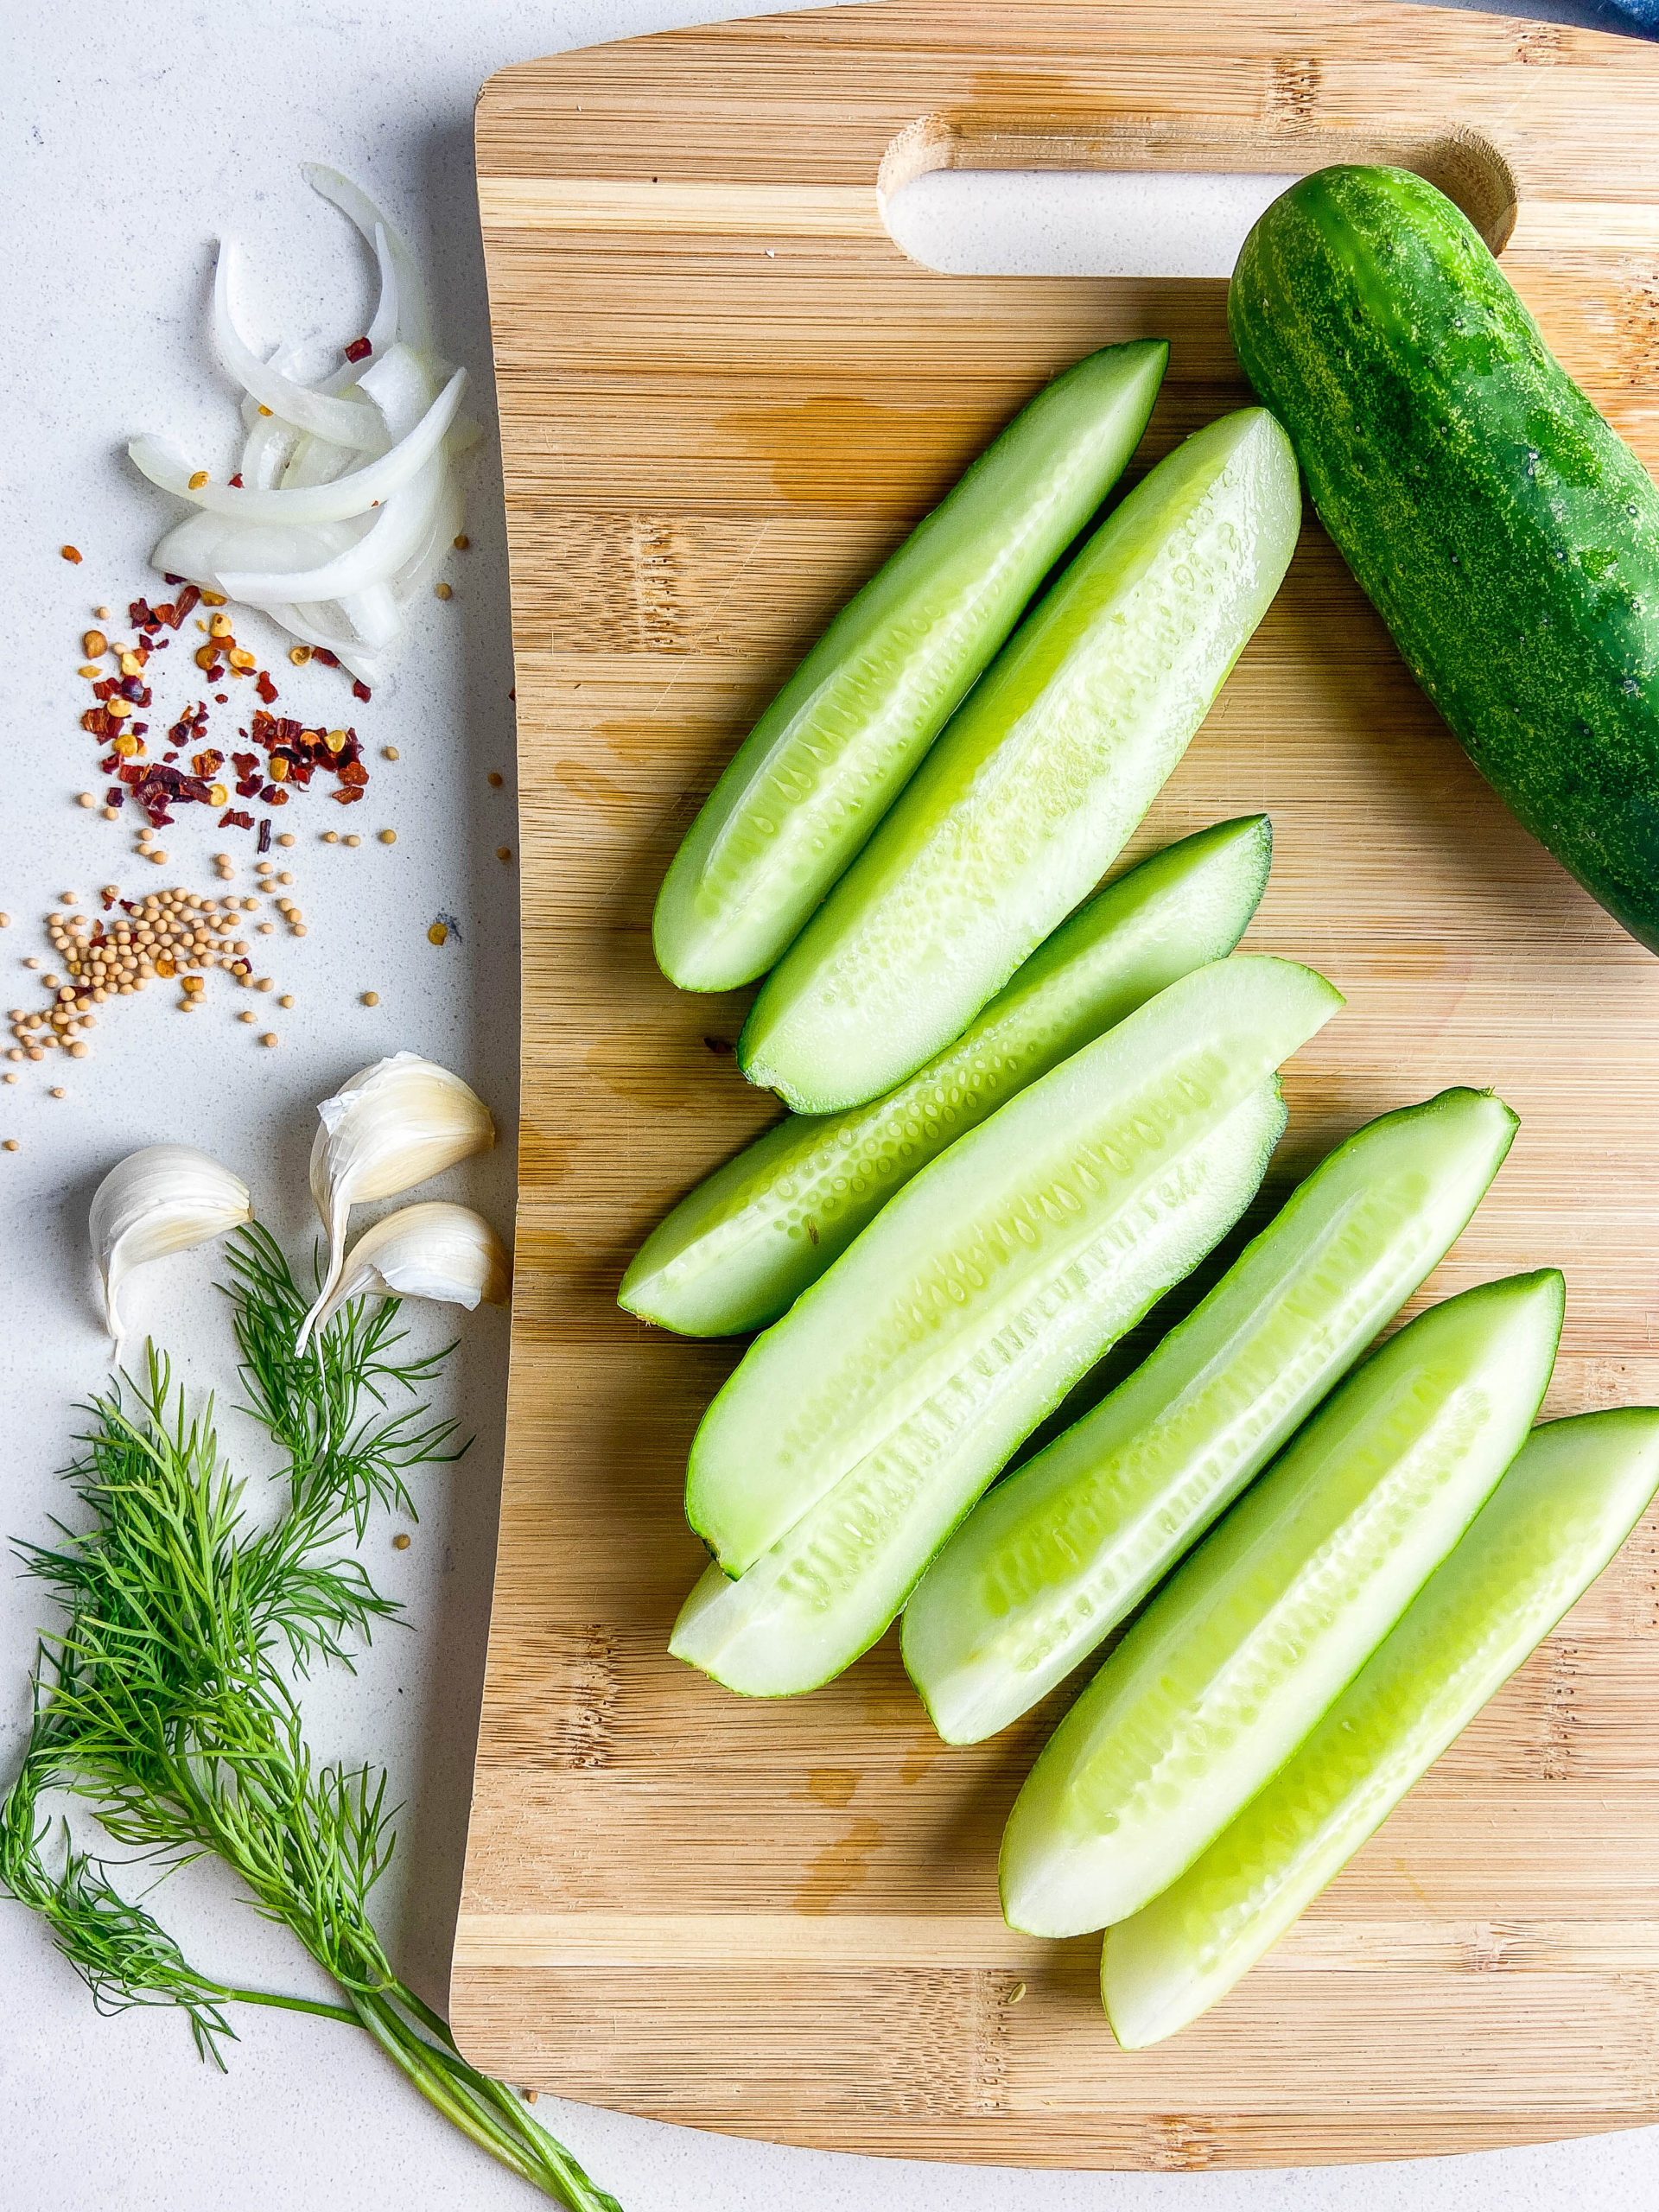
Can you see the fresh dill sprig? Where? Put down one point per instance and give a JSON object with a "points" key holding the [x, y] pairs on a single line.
{"points": [[162, 1700]]}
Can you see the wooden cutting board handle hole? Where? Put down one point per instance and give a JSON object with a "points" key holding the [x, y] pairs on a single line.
{"points": [[1288, 141]]}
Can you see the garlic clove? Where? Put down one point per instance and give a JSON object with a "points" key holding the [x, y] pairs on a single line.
{"points": [[394, 1125], [435, 1250], [163, 1199]]}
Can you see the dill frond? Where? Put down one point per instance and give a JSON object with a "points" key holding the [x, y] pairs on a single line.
{"points": [[165, 1698]]}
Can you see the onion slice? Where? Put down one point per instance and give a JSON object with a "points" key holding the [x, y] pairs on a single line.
{"points": [[343, 422], [402, 392], [383, 330], [310, 626], [201, 545], [414, 324], [352, 494]]}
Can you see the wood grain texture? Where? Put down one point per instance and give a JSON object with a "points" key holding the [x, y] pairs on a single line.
{"points": [[725, 395]]}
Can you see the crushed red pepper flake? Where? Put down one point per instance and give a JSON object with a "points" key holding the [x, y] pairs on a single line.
{"points": [[359, 350], [285, 753]]}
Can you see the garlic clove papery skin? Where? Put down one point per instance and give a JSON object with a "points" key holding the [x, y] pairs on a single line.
{"points": [[435, 1250], [394, 1125], [163, 1199]]}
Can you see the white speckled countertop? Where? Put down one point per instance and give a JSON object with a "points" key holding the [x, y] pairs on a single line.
{"points": [[133, 136]]}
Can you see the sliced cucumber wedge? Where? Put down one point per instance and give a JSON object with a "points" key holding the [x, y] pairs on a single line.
{"points": [[835, 1580], [1064, 1550], [1029, 795], [1564, 1507], [833, 750], [741, 1249], [974, 1301], [1258, 1630]]}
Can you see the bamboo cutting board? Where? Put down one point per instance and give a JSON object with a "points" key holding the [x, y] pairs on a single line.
{"points": [[725, 396]]}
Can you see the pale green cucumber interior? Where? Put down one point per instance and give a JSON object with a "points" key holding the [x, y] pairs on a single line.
{"points": [[836, 746], [833, 1581], [1066, 1548], [915, 1310], [1557, 1517], [1255, 1633], [1030, 792], [739, 1248]]}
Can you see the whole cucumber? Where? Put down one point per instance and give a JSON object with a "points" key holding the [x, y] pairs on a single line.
{"points": [[1504, 533]]}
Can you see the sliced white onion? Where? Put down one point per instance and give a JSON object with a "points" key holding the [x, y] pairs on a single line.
{"points": [[397, 534], [266, 451], [414, 323], [332, 545], [323, 626], [202, 545], [344, 421], [383, 330], [402, 392], [352, 494], [412, 579], [313, 461], [373, 614], [401, 387]]}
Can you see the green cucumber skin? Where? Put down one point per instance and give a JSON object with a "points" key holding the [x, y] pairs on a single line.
{"points": [[737, 1251], [991, 1252], [1043, 774], [1504, 533], [1067, 1547], [1570, 1500], [835, 747], [833, 1583], [1259, 1629]]}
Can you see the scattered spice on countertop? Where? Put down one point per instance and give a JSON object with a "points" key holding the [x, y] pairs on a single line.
{"points": [[283, 753], [163, 937]]}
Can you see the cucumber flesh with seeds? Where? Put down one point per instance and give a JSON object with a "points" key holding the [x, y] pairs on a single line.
{"points": [[1033, 790], [1564, 1507], [737, 1252], [974, 1300], [834, 1581], [835, 747], [1067, 1549], [1259, 1630]]}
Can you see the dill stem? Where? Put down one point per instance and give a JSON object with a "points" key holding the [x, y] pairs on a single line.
{"points": [[415, 2060], [292, 2003]]}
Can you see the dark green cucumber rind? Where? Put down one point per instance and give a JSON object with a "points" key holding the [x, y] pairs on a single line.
{"points": [[1041, 479], [1504, 533], [1074, 987]]}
